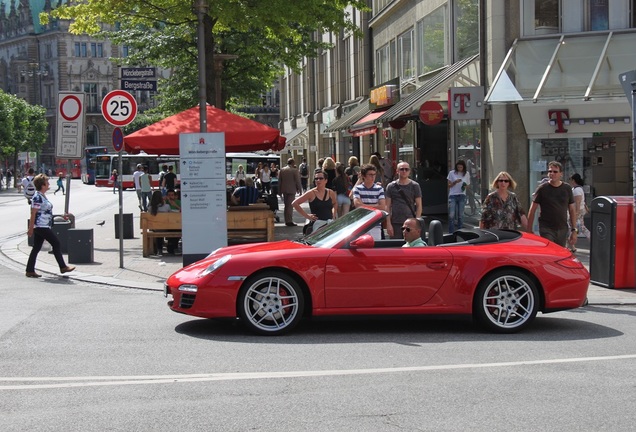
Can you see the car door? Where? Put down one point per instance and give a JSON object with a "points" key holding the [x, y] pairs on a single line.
{"points": [[385, 277]]}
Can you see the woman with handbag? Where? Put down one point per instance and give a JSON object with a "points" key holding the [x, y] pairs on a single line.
{"points": [[501, 208], [323, 203]]}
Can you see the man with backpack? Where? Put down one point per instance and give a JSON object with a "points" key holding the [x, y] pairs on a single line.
{"points": [[304, 175], [27, 185]]}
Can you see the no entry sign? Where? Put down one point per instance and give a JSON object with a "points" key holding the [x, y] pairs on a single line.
{"points": [[119, 108]]}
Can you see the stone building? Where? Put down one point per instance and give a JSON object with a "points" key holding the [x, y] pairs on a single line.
{"points": [[38, 61]]}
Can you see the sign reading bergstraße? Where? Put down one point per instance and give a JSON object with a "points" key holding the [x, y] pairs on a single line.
{"points": [[134, 85]]}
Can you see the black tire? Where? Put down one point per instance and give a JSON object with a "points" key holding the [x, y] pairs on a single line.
{"points": [[506, 301], [270, 303]]}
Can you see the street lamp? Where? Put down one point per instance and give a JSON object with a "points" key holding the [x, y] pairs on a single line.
{"points": [[34, 70]]}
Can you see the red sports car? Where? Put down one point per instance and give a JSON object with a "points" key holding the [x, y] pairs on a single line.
{"points": [[502, 278]]}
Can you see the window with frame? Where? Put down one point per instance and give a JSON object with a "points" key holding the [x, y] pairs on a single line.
{"points": [[378, 5], [97, 50], [466, 41], [405, 55], [432, 32], [382, 65], [81, 49], [92, 104]]}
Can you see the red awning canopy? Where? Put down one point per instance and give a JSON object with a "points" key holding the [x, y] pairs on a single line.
{"points": [[241, 134], [365, 125]]}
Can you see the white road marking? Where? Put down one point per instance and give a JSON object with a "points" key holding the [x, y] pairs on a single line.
{"points": [[94, 381]]}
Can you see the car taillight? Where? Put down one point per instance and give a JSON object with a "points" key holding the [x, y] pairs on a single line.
{"points": [[571, 262]]}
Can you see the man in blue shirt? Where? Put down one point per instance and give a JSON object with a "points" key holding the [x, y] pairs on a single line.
{"points": [[246, 195]]}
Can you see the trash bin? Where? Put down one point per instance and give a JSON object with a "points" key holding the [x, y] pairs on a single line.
{"points": [[60, 228], [128, 225], [612, 242], [80, 246]]}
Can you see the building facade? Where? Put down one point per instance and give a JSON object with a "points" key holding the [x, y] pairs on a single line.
{"points": [[504, 85], [38, 61]]}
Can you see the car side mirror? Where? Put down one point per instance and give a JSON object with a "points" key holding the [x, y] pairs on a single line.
{"points": [[365, 241]]}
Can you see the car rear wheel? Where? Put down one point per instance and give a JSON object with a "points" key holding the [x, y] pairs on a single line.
{"points": [[506, 301], [271, 303]]}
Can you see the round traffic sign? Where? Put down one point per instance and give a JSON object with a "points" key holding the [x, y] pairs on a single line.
{"points": [[119, 108], [70, 107], [118, 139]]}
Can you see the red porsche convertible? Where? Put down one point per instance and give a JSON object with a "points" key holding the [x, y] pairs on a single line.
{"points": [[502, 278]]}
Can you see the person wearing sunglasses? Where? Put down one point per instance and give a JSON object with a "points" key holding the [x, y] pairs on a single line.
{"points": [[370, 194], [556, 201], [412, 232], [502, 209], [323, 203], [403, 201]]}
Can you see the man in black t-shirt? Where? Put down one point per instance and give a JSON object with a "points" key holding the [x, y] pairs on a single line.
{"points": [[169, 179]]}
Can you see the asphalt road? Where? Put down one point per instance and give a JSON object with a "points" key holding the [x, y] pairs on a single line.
{"points": [[80, 357]]}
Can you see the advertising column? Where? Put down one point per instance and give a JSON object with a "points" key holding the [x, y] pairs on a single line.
{"points": [[203, 200]]}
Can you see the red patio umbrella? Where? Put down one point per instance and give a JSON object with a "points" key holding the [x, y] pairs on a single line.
{"points": [[241, 134]]}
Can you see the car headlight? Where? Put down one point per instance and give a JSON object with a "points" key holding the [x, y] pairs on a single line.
{"points": [[214, 266], [188, 288]]}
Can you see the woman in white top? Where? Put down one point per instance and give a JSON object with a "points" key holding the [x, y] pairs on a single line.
{"points": [[579, 203], [240, 174], [458, 181], [265, 179]]}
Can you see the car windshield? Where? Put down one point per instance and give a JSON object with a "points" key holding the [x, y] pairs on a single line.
{"points": [[338, 230]]}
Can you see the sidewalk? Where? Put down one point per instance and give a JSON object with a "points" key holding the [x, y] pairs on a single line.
{"points": [[150, 273]]}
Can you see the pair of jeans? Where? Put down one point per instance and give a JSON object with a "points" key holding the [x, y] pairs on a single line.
{"points": [[456, 204], [39, 235], [145, 200]]}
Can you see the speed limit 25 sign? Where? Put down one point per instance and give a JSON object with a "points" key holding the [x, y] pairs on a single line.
{"points": [[119, 108]]}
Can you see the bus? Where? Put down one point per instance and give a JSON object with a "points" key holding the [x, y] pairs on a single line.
{"points": [[105, 164], [249, 161], [88, 164], [61, 166]]}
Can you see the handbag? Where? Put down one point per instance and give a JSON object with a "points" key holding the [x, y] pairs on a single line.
{"points": [[308, 227]]}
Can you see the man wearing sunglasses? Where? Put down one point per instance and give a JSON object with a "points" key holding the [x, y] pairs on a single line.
{"points": [[555, 198], [412, 231], [403, 201]]}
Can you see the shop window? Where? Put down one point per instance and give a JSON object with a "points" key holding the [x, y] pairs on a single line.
{"points": [[467, 29], [432, 33], [405, 55]]}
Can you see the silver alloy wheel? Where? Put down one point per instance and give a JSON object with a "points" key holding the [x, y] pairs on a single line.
{"points": [[508, 301], [271, 304]]}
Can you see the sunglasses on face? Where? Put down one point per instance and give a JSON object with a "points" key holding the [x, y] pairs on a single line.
{"points": [[405, 169], [503, 180], [407, 229], [319, 178]]}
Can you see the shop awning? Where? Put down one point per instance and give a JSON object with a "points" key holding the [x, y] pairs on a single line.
{"points": [[463, 73], [564, 67], [365, 126], [295, 133], [350, 118]]}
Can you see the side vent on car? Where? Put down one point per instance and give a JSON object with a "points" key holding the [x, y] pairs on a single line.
{"points": [[187, 300]]}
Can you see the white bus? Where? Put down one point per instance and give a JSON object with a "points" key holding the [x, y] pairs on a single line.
{"points": [[249, 161], [105, 164]]}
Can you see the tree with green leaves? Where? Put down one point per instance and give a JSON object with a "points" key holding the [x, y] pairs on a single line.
{"points": [[23, 127], [264, 35]]}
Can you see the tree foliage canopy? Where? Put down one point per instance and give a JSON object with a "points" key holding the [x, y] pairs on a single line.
{"points": [[264, 35], [23, 127]]}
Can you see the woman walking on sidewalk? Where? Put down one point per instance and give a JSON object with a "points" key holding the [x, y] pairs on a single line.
{"points": [[40, 227]]}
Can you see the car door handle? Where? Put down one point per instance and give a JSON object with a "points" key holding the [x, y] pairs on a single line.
{"points": [[437, 265]]}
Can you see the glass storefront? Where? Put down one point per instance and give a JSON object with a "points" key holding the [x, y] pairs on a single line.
{"points": [[468, 149], [604, 162]]}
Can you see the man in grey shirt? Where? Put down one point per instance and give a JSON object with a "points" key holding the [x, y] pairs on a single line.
{"points": [[403, 201]]}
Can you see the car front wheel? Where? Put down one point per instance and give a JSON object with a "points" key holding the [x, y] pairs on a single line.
{"points": [[271, 303], [506, 301]]}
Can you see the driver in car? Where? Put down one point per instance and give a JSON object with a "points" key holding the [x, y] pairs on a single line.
{"points": [[412, 231]]}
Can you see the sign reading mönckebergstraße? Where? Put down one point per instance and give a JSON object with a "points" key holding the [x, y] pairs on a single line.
{"points": [[143, 73]]}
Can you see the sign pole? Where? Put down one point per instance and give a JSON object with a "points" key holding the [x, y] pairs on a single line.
{"points": [[120, 217]]}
